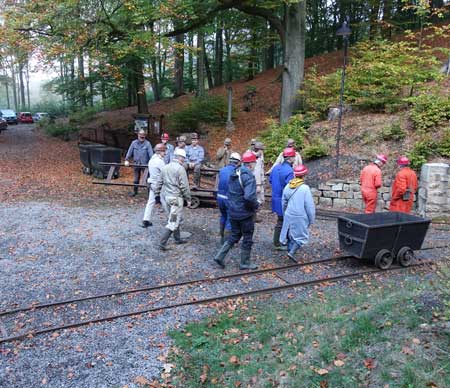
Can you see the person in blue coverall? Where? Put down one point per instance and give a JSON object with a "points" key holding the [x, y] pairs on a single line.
{"points": [[222, 198], [242, 206], [279, 178]]}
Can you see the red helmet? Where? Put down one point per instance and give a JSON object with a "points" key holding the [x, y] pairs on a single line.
{"points": [[300, 170], [403, 161], [382, 158], [248, 157], [288, 152], [165, 136]]}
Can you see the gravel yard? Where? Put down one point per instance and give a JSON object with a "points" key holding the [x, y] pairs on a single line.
{"points": [[56, 249]]}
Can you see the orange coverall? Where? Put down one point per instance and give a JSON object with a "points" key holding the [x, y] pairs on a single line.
{"points": [[370, 182], [405, 178]]}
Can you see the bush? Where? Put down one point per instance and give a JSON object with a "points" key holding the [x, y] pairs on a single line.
{"points": [[430, 110], [317, 149], [83, 116], [53, 108], [59, 129], [202, 110], [393, 132], [276, 135]]}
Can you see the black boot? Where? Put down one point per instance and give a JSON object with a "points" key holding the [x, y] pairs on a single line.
{"points": [[222, 232], [220, 257], [245, 260], [276, 239], [165, 237], [146, 224], [177, 237], [292, 250]]}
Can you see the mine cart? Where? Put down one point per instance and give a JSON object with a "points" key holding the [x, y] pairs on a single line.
{"points": [[85, 156], [382, 236], [102, 155]]}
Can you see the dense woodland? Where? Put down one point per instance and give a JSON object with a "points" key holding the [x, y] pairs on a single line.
{"points": [[113, 53]]}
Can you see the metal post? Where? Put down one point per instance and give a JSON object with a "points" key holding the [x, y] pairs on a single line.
{"points": [[230, 124]]}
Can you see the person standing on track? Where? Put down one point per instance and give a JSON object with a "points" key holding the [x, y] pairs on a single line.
{"points": [[141, 152], [155, 166], [299, 212], [404, 187], [279, 178], [222, 198], [169, 148], [371, 181], [174, 188], [242, 204]]}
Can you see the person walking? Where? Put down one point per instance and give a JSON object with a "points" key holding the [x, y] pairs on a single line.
{"points": [[370, 180], [174, 187], [155, 166], [140, 152], [195, 154], [223, 154], [169, 148], [279, 178], [299, 212], [222, 198], [404, 187], [280, 159], [242, 204]]}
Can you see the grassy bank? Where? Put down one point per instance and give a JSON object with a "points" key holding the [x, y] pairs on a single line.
{"points": [[350, 336]]}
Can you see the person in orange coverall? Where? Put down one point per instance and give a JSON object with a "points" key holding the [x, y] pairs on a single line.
{"points": [[404, 188], [371, 181]]}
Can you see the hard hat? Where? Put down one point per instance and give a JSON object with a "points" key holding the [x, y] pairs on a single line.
{"points": [[227, 141], [182, 139], [194, 136], [180, 152], [252, 142], [235, 156], [160, 147], [248, 157], [142, 132], [259, 145], [382, 158], [290, 143], [165, 136], [288, 152], [300, 170], [403, 161]]}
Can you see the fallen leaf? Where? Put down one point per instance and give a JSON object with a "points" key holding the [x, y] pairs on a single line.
{"points": [[407, 350], [142, 380], [168, 367], [321, 371], [416, 341], [188, 334], [324, 384], [369, 363], [338, 363], [234, 360]]}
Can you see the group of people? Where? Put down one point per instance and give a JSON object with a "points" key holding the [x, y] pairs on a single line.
{"points": [[403, 188], [241, 191]]}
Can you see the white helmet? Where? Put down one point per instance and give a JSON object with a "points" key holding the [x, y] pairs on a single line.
{"points": [[180, 152], [235, 156]]}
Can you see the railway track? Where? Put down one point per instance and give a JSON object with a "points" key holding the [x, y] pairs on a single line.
{"points": [[72, 304]]}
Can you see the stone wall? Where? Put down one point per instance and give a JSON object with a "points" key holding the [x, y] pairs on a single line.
{"points": [[346, 194], [434, 191]]}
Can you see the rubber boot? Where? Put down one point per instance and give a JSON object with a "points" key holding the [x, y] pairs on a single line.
{"points": [[165, 237], [293, 248], [222, 233], [177, 237], [276, 239], [245, 260], [220, 257], [226, 235]]}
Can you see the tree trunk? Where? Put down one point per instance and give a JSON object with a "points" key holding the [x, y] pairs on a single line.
{"points": [[207, 68], [191, 61], [200, 65], [27, 78], [141, 95], [154, 67], [294, 58], [228, 66], [81, 80], [218, 76], [91, 82], [8, 102], [373, 22], [387, 10], [72, 83], [179, 65], [13, 86], [21, 86]]}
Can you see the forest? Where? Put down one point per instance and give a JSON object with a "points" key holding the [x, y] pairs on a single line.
{"points": [[115, 53]]}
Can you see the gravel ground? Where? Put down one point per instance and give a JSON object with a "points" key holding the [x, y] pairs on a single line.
{"points": [[52, 252]]}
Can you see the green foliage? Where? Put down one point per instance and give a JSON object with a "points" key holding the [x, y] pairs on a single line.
{"points": [[443, 288], [315, 150], [429, 147], [276, 135], [381, 74], [430, 110], [204, 110], [393, 132], [83, 116], [53, 108], [59, 129]]}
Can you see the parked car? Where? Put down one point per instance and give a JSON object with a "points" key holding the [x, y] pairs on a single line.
{"points": [[25, 117], [40, 116], [9, 115], [3, 124]]}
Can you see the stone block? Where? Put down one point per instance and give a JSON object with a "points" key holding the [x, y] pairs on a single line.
{"points": [[330, 194], [333, 182], [384, 189], [339, 203], [316, 192], [355, 187], [323, 186], [355, 203], [325, 201], [338, 187], [357, 195], [380, 205], [345, 194], [346, 187], [316, 200], [432, 171], [386, 196]]}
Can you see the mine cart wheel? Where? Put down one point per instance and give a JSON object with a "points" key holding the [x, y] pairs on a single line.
{"points": [[195, 202], [405, 256], [384, 259]]}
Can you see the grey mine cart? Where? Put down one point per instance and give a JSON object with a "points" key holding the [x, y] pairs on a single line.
{"points": [[382, 237]]}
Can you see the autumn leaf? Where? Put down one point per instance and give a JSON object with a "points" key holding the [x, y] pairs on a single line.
{"points": [[324, 384], [141, 380], [204, 375], [234, 360], [370, 363], [407, 350], [338, 363], [321, 371], [416, 341]]}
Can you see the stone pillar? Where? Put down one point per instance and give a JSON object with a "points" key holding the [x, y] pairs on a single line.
{"points": [[230, 124], [434, 191]]}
